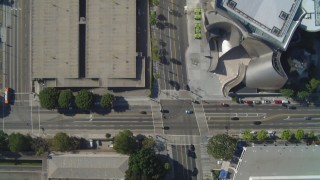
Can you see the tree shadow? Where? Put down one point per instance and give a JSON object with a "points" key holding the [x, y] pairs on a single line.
{"points": [[164, 60], [7, 2], [120, 104], [175, 61], [6, 110], [9, 154], [160, 25], [169, 25], [161, 17]]}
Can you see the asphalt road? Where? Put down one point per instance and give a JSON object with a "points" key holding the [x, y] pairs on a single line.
{"points": [[271, 117], [17, 62], [176, 118], [183, 164], [173, 41], [123, 118]]}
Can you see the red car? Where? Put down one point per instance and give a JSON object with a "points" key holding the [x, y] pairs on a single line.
{"points": [[278, 101], [248, 102]]}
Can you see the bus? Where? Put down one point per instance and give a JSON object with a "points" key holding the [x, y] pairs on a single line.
{"points": [[6, 95]]}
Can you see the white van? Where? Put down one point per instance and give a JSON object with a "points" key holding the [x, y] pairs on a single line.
{"points": [[285, 102]]}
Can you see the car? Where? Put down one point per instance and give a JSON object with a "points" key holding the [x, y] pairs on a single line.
{"points": [[198, 36], [291, 107], [271, 133], [143, 112], [256, 122], [166, 127], [194, 172], [90, 143], [248, 102], [192, 148], [307, 118], [257, 102], [277, 101], [266, 102], [285, 102], [224, 105], [191, 153], [234, 118], [189, 111], [240, 101]]}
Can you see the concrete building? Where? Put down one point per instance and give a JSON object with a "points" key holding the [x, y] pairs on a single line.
{"points": [[87, 166], [82, 43], [311, 17], [279, 162]]}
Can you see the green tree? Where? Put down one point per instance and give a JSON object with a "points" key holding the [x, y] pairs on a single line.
{"points": [[19, 142], [144, 164], [303, 94], [221, 146], [61, 142], [155, 2], [49, 98], [310, 135], [65, 98], [313, 85], [148, 142], [39, 145], [262, 135], [124, 142], [107, 100], [84, 99], [286, 134], [74, 143], [153, 19], [246, 135], [287, 92], [299, 134], [108, 135], [167, 166], [3, 141]]}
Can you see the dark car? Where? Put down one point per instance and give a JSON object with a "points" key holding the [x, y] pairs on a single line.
{"points": [[307, 118], [194, 172], [192, 148], [191, 153], [291, 107], [234, 118], [166, 128], [187, 87], [256, 122], [240, 101], [224, 105]]}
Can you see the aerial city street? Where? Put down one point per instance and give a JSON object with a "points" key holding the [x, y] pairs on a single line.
{"points": [[160, 89]]}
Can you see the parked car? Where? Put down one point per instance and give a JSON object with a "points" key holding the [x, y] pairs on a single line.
{"points": [[189, 111], [166, 128], [240, 101], [285, 102], [256, 122], [277, 101], [248, 102], [266, 102], [271, 133], [224, 105], [234, 118], [257, 102]]}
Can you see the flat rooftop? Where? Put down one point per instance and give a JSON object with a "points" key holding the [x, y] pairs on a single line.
{"points": [[55, 37], [271, 16], [279, 162], [97, 53]]}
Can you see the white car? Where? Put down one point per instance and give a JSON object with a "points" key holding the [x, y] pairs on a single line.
{"points": [[266, 102]]}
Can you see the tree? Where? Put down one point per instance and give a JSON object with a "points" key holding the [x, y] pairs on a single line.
{"points": [[65, 98], [49, 98], [155, 2], [247, 135], [124, 142], [84, 99], [3, 141], [221, 146], [286, 134], [108, 135], [19, 142], [61, 142], [39, 145], [299, 134], [287, 92], [148, 142], [303, 94], [107, 100], [144, 164], [262, 135], [313, 85], [153, 20], [74, 143], [310, 135]]}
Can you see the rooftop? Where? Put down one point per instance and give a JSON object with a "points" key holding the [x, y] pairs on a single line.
{"points": [[88, 166], [311, 20], [279, 162], [85, 43]]}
